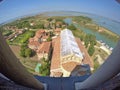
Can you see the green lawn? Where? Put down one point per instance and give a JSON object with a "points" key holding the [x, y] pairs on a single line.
{"points": [[23, 38]]}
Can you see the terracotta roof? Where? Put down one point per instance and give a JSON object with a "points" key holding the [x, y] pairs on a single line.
{"points": [[45, 37], [57, 29], [70, 66], [31, 39], [58, 74], [35, 43], [87, 59], [39, 33], [55, 62], [45, 46], [53, 41]]}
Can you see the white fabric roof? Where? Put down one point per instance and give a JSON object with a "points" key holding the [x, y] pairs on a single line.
{"points": [[69, 44]]}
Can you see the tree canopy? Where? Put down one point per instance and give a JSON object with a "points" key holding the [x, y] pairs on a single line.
{"points": [[25, 51], [45, 67], [72, 27]]}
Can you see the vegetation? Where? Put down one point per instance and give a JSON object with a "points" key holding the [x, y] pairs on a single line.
{"points": [[110, 35], [91, 50], [88, 23], [82, 19], [49, 39], [51, 34], [24, 24], [96, 64], [7, 32], [49, 19], [72, 27], [23, 38], [53, 23], [26, 52], [37, 26], [45, 67], [29, 64], [90, 40]]}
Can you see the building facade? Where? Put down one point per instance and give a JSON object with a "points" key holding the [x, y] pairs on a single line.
{"points": [[67, 59]]}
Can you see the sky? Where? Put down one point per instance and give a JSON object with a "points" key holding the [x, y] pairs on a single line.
{"points": [[10, 9]]}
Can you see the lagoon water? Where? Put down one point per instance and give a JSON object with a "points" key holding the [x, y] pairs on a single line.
{"points": [[108, 41], [112, 25]]}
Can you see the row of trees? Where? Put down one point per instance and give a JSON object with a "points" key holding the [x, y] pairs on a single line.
{"points": [[45, 67], [90, 39], [72, 27], [27, 24], [54, 23], [82, 20], [90, 42]]}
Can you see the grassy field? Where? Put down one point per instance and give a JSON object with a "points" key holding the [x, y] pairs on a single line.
{"points": [[28, 63], [23, 38]]}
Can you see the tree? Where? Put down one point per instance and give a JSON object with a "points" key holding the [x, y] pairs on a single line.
{"points": [[87, 40], [81, 37], [28, 52], [49, 39], [22, 52], [86, 44], [49, 19], [38, 26], [45, 67], [91, 50], [25, 51], [90, 39], [51, 34], [72, 27]]}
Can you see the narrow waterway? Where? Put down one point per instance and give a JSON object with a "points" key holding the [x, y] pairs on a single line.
{"points": [[99, 36]]}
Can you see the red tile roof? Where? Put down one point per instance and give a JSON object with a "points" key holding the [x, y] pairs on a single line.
{"points": [[31, 39], [39, 33], [35, 43], [55, 62], [70, 66], [58, 74], [44, 47], [34, 40], [45, 37], [87, 59]]}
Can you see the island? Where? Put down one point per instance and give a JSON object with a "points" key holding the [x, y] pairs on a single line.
{"points": [[54, 46]]}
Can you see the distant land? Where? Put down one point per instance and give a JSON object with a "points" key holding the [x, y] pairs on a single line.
{"points": [[110, 24], [30, 36]]}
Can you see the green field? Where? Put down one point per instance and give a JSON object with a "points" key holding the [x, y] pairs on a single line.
{"points": [[23, 38]]}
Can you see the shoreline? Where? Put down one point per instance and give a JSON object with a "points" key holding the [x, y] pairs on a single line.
{"points": [[103, 31]]}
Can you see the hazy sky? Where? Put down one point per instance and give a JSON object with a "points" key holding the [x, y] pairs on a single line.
{"points": [[10, 9]]}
